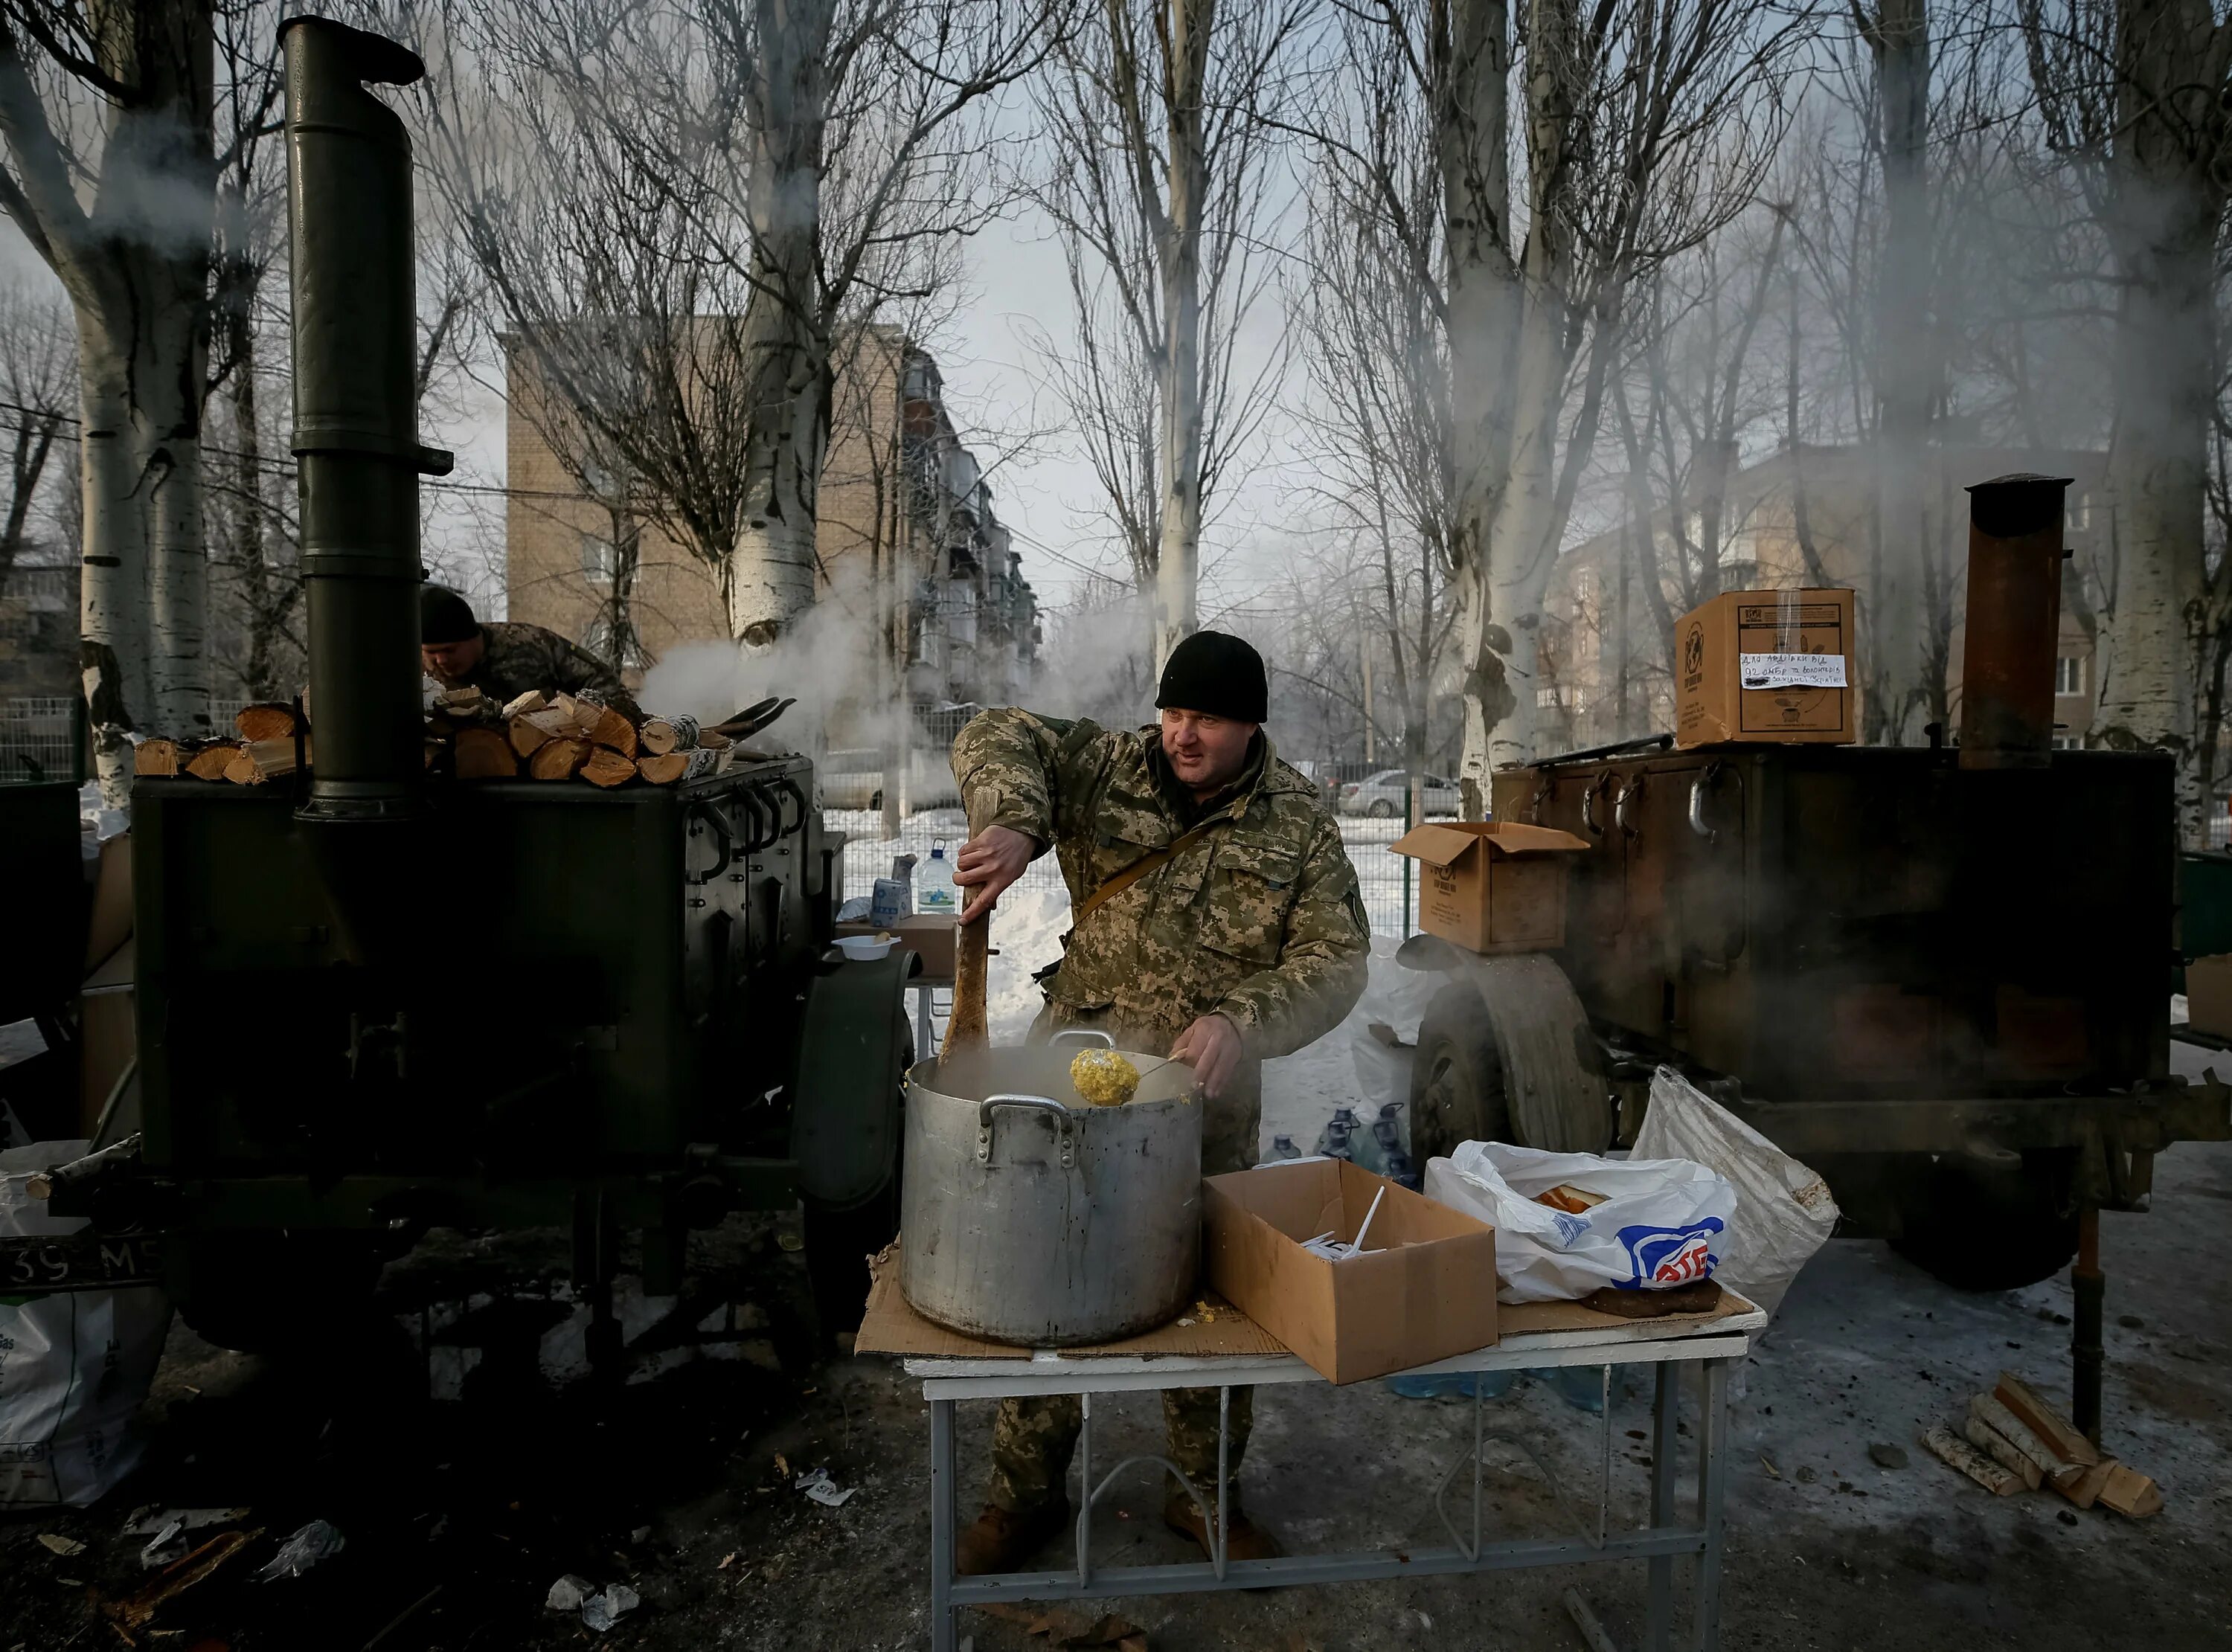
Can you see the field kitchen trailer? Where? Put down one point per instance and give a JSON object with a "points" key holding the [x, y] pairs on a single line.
{"points": [[1939, 976], [373, 1000]]}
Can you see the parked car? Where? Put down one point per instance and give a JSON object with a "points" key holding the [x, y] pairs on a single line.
{"points": [[1381, 795], [854, 780]]}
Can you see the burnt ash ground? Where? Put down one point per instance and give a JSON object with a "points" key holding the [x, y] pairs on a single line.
{"points": [[488, 1496]]}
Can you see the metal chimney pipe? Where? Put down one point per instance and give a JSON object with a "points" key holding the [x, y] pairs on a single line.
{"points": [[356, 418], [2015, 554]]}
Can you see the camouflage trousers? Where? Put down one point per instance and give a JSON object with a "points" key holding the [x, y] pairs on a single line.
{"points": [[1034, 1439]]}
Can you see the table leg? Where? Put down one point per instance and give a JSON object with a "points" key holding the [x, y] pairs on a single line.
{"points": [[944, 1618], [1712, 1485], [1665, 1409]]}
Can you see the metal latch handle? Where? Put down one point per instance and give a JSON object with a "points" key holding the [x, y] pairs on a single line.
{"points": [[1082, 1032], [1065, 1124]]}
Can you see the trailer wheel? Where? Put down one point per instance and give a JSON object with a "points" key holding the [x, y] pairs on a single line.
{"points": [[1456, 1080], [1978, 1226]]}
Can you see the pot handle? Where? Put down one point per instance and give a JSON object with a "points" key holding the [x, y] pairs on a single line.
{"points": [[1064, 1126], [1082, 1032]]}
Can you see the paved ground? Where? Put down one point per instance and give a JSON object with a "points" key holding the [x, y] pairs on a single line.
{"points": [[466, 1507]]}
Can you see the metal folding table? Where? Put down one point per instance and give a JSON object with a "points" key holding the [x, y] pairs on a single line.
{"points": [[1666, 1346]]}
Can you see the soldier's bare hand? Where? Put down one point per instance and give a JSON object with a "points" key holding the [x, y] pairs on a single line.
{"points": [[1211, 1048], [987, 862]]}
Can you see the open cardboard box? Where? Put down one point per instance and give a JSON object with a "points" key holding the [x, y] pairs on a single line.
{"points": [[1430, 1293], [1491, 886]]}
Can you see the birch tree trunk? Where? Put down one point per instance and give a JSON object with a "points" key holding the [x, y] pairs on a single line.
{"points": [[2167, 195], [1177, 565], [1893, 628]]}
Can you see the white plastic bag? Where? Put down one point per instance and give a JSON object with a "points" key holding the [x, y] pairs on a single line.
{"points": [[1784, 1213], [1661, 1224], [73, 1366]]}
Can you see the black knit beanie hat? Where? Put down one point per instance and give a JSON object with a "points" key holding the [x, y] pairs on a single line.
{"points": [[444, 616], [1218, 675]]}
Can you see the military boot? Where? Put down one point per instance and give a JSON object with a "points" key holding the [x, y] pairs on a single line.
{"points": [[1001, 1540], [1243, 1539]]}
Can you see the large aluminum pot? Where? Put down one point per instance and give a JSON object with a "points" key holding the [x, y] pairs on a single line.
{"points": [[1028, 1215]]}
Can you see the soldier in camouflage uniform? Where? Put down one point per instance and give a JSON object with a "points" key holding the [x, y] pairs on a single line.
{"points": [[504, 661], [1249, 941]]}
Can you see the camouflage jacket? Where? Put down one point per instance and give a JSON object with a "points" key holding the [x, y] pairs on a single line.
{"points": [[518, 656], [1259, 919]]}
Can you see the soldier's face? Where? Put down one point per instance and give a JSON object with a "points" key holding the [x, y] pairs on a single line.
{"points": [[447, 662], [1205, 752]]}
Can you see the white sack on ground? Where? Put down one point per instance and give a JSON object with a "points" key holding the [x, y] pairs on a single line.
{"points": [[1395, 999], [1784, 1212], [73, 1366], [1661, 1224]]}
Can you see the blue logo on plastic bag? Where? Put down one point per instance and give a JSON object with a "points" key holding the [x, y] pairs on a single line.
{"points": [[1665, 1257], [1569, 1228]]}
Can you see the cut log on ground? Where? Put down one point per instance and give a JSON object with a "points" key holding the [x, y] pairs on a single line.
{"points": [[260, 761], [267, 720], [559, 759], [483, 754], [2082, 1486], [2004, 1453], [2131, 1494], [608, 767], [209, 763], [2003, 1422], [526, 735], [158, 758], [2055, 1431], [616, 732], [668, 767], [665, 735], [1972, 1462]]}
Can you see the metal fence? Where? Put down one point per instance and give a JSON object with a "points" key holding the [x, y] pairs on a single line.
{"points": [[39, 739], [1388, 881]]}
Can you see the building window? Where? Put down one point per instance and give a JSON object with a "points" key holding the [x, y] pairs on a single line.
{"points": [[2068, 676], [598, 563], [1739, 575], [2067, 743], [1546, 699], [1585, 587]]}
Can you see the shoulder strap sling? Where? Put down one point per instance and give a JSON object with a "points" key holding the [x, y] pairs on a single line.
{"points": [[1147, 863]]}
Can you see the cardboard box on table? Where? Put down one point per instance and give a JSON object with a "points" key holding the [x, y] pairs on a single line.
{"points": [[1491, 886], [2208, 995], [1774, 666], [1428, 1295]]}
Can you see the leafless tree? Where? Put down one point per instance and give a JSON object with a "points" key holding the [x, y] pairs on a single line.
{"points": [[106, 112], [1161, 123], [38, 375], [681, 209]]}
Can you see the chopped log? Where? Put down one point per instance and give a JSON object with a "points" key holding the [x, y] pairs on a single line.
{"points": [[667, 768], [664, 735], [2003, 1422], [533, 700], [209, 763], [2131, 1494], [432, 753], [713, 740], [1970, 1462], [559, 759], [267, 720], [2058, 1434], [484, 753], [552, 720], [2002, 1452], [525, 736], [157, 757], [2082, 1486], [613, 729], [608, 767], [577, 715], [260, 761]]}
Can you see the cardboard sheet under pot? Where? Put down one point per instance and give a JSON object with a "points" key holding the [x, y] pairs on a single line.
{"points": [[1028, 1215]]}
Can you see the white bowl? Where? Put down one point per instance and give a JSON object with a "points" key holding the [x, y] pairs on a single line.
{"points": [[864, 949]]}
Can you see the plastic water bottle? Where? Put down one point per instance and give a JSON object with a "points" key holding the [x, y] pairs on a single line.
{"points": [[1282, 1147], [935, 895], [1335, 1140]]}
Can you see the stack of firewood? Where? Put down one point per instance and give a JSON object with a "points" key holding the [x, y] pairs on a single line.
{"points": [[537, 737]]}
